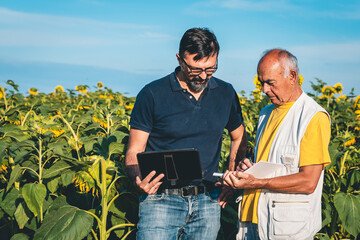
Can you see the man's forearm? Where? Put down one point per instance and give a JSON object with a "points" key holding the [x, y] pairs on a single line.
{"points": [[238, 147], [304, 181], [132, 166]]}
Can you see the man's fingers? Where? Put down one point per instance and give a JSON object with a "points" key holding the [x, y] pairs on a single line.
{"points": [[218, 184], [158, 178], [244, 164], [147, 179], [225, 195], [154, 188], [227, 180], [147, 186], [138, 180], [247, 162], [154, 184], [234, 180]]}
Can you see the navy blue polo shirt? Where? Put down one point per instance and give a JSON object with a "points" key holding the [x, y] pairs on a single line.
{"points": [[175, 120]]}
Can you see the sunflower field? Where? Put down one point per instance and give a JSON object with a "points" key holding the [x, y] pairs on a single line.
{"points": [[62, 173]]}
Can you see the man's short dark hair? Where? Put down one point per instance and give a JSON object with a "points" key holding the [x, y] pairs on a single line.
{"points": [[199, 41]]}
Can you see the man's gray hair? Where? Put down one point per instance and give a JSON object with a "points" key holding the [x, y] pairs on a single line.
{"points": [[289, 61]]}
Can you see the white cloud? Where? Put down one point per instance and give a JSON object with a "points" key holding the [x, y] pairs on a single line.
{"points": [[46, 38], [27, 29], [158, 36]]}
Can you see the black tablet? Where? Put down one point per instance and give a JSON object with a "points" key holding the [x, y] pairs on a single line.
{"points": [[176, 165]]}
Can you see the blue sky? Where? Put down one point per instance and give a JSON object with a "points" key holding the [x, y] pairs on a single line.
{"points": [[126, 44]]}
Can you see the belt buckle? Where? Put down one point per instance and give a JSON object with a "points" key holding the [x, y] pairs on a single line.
{"points": [[195, 191]]}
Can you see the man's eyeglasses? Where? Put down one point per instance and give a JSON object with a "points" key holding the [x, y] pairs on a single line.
{"points": [[197, 71]]}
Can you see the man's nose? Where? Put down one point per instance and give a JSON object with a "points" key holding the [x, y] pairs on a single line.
{"points": [[265, 88], [203, 75]]}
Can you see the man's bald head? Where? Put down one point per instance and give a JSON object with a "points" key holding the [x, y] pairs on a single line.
{"points": [[287, 60]]}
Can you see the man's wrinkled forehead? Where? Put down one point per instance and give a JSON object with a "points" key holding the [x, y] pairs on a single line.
{"points": [[268, 65]]}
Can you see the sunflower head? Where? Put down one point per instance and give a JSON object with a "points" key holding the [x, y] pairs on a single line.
{"points": [[328, 91], [81, 89], [257, 83], [357, 100], [59, 89], [322, 97], [33, 91], [100, 85], [300, 79], [342, 97], [129, 106], [357, 112], [350, 142], [338, 88], [2, 92]]}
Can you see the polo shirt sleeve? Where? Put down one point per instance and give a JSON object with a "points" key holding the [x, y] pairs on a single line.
{"points": [[315, 142], [235, 117], [142, 113]]}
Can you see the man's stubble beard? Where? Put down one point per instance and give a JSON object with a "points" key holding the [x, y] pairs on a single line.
{"points": [[196, 86]]}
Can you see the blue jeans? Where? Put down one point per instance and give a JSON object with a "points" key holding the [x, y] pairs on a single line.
{"points": [[172, 217]]}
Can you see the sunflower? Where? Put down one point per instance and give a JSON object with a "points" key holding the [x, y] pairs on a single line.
{"points": [[16, 122], [338, 88], [85, 180], [84, 107], [3, 168], [81, 89], [300, 79], [33, 91], [350, 142], [100, 85], [56, 132], [59, 89], [257, 83], [2, 92], [357, 99], [102, 124], [342, 97], [242, 99], [328, 91], [129, 106]]}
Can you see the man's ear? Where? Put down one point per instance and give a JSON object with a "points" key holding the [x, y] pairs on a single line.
{"points": [[178, 58], [293, 77]]}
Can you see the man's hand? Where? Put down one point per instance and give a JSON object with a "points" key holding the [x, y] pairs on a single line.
{"points": [[244, 164], [239, 180], [225, 195], [147, 186]]}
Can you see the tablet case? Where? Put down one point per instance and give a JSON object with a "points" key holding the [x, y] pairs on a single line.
{"points": [[176, 165]]}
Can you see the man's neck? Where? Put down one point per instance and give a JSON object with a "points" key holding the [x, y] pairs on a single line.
{"points": [[293, 97], [183, 84]]}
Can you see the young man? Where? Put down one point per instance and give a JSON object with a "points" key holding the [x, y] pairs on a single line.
{"points": [[293, 131], [188, 108]]}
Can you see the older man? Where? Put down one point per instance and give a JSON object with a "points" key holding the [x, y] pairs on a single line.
{"points": [[293, 131]]}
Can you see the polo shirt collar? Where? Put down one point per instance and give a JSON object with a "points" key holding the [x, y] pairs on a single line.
{"points": [[175, 85]]}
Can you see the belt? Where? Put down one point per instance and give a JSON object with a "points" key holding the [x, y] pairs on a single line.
{"points": [[187, 191]]}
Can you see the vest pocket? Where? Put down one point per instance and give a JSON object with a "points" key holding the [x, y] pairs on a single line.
{"points": [[289, 218]]}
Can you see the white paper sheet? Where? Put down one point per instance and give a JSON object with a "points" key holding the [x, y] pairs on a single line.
{"points": [[263, 169]]}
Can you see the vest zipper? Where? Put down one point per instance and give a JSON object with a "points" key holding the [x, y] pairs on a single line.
{"points": [[273, 202]]}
